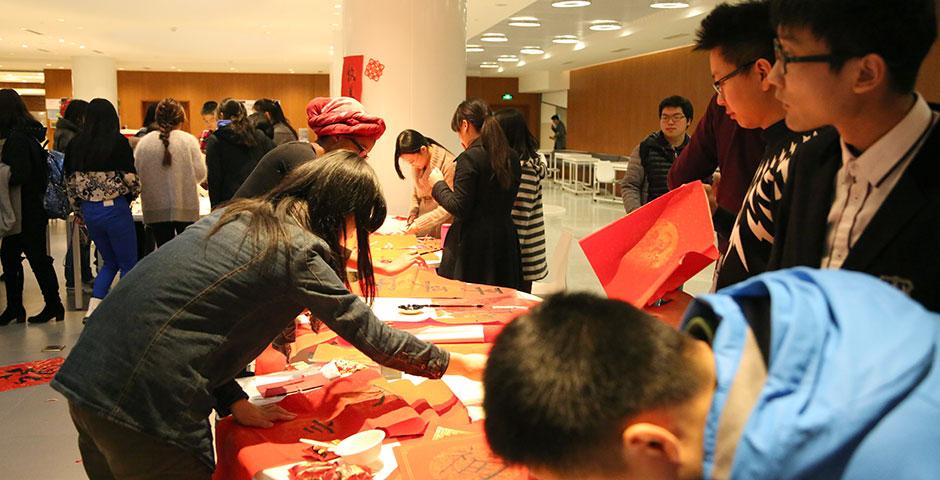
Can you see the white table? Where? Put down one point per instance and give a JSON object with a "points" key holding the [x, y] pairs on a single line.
{"points": [[572, 167]]}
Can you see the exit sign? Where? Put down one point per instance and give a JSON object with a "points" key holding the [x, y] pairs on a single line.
{"points": [[507, 96]]}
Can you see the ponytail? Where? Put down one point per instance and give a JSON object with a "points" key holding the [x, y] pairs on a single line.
{"points": [[169, 115], [478, 113], [244, 132]]}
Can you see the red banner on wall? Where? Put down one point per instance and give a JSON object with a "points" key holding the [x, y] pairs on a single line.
{"points": [[351, 85]]}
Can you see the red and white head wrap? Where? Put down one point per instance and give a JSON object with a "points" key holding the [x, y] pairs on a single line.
{"points": [[342, 116]]}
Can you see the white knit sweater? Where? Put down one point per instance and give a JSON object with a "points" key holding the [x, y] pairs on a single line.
{"points": [[168, 193]]}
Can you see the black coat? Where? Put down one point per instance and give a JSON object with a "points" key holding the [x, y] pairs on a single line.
{"points": [[23, 152], [65, 131], [229, 163], [900, 243], [481, 245]]}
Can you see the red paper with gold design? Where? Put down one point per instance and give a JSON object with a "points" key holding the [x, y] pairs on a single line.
{"points": [[29, 374], [459, 457], [656, 248], [351, 84]]}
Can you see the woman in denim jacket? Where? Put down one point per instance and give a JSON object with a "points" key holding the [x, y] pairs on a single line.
{"points": [[163, 348]]}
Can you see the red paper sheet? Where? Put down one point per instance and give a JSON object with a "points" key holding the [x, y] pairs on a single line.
{"points": [[292, 386], [29, 374], [656, 248], [351, 83], [464, 457]]}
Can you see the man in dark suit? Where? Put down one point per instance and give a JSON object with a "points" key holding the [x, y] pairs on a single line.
{"points": [[867, 198]]}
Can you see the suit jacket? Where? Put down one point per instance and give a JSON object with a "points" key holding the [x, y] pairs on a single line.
{"points": [[481, 245], [898, 246]]}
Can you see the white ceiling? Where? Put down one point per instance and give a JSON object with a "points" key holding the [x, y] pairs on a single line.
{"points": [[296, 36]]}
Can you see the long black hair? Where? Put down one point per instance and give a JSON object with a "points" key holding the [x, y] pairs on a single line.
{"points": [[13, 111], [234, 110], [75, 112], [411, 141], [274, 110], [318, 196], [97, 138], [478, 113], [517, 133]]}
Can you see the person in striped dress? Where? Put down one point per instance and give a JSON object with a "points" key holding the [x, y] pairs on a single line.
{"points": [[527, 209]]}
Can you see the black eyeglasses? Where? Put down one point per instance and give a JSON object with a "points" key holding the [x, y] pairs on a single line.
{"points": [[785, 59], [737, 71], [362, 150]]}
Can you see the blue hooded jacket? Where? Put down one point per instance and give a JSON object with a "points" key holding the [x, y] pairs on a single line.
{"points": [[849, 388]]}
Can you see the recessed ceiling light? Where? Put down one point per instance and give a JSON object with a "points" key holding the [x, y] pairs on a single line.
{"points": [[120, 68], [662, 4], [565, 39], [81, 46], [474, 49], [61, 40], [337, 5], [24, 45], [335, 24], [60, 19], [571, 3], [500, 69], [48, 64], [489, 65], [579, 46], [532, 50], [530, 22], [231, 69], [494, 37], [605, 25], [508, 59], [521, 63]]}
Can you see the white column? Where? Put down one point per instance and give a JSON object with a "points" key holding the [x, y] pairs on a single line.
{"points": [[421, 43], [94, 77]]}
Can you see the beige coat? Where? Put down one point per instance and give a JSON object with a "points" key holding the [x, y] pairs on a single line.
{"points": [[431, 215]]}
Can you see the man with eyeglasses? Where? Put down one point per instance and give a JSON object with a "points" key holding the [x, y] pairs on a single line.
{"points": [[739, 41], [868, 198], [651, 160]]}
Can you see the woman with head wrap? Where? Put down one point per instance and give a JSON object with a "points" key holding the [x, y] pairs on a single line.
{"points": [[340, 124]]}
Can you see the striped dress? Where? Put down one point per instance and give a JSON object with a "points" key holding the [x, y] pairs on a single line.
{"points": [[529, 222]]}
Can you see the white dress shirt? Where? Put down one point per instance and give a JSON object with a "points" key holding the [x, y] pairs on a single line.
{"points": [[865, 181]]}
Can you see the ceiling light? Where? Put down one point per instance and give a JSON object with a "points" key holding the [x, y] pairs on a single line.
{"points": [[500, 69], [48, 64], [530, 22], [489, 65], [24, 45], [60, 19], [494, 37], [565, 39], [664, 4], [81, 46], [508, 58], [474, 49], [579, 46], [521, 63], [61, 40], [571, 3], [532, 50], [605, 25]]}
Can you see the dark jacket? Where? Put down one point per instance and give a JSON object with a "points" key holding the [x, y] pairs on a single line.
{"points": [[481, 245], [23, 152], [162, 349], [649, 166], [273, 166], [65, 131], [899, 245], [229, 162]]}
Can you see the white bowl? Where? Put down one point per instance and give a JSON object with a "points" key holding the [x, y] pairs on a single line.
{"points": [[362, 448]]}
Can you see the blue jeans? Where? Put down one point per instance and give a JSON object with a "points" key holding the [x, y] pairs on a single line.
{"points": [[111, 227]]}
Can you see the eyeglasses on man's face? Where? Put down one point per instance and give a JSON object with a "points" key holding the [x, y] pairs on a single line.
{"points": [[672, 118], [737, 71], [785, 59]]}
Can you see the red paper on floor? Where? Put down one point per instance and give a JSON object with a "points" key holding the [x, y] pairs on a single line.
{"points": [[656, 248], [464, 456], [29, 374]]}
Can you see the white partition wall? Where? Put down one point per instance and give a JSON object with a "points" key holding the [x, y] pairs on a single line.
{"points": [[421, 45]]}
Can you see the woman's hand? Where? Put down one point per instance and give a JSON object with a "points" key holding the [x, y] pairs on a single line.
{"points": [[400, 264], [435, 176], [470, 365], [250, 415]]}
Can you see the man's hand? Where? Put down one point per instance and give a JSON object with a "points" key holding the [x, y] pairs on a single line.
{"points": [[470, 365], [251, 415]]}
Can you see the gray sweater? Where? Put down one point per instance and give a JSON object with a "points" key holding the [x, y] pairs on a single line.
{"points": [[168, 193]]}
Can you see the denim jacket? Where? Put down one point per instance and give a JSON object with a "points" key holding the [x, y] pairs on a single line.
{"points": [[162, 349]]}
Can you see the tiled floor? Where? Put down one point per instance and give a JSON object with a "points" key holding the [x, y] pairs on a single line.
{"points": [[37, 440]]}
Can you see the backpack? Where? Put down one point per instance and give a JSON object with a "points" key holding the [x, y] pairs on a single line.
{"points": [[56, 200]]}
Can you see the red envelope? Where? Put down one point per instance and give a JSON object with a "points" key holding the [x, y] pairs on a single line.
{"points": [[656, 248]]}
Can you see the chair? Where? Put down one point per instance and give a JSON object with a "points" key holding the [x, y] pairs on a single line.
{"points": [[557, 279], [605, 174]]}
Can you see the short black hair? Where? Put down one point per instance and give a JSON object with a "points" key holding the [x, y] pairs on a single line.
{"points": [[677, 101], [901, 32], [741, 32], [562, 381], [209, 107], [555, 117]]}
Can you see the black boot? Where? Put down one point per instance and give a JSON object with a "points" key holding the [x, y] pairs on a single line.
{"points": [[17, 314], [50, 311]]}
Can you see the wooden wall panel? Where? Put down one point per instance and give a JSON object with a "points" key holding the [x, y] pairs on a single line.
{"points": [[928, 83], [491, 90], [293, 91], [612, 107], [135, 87]]}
